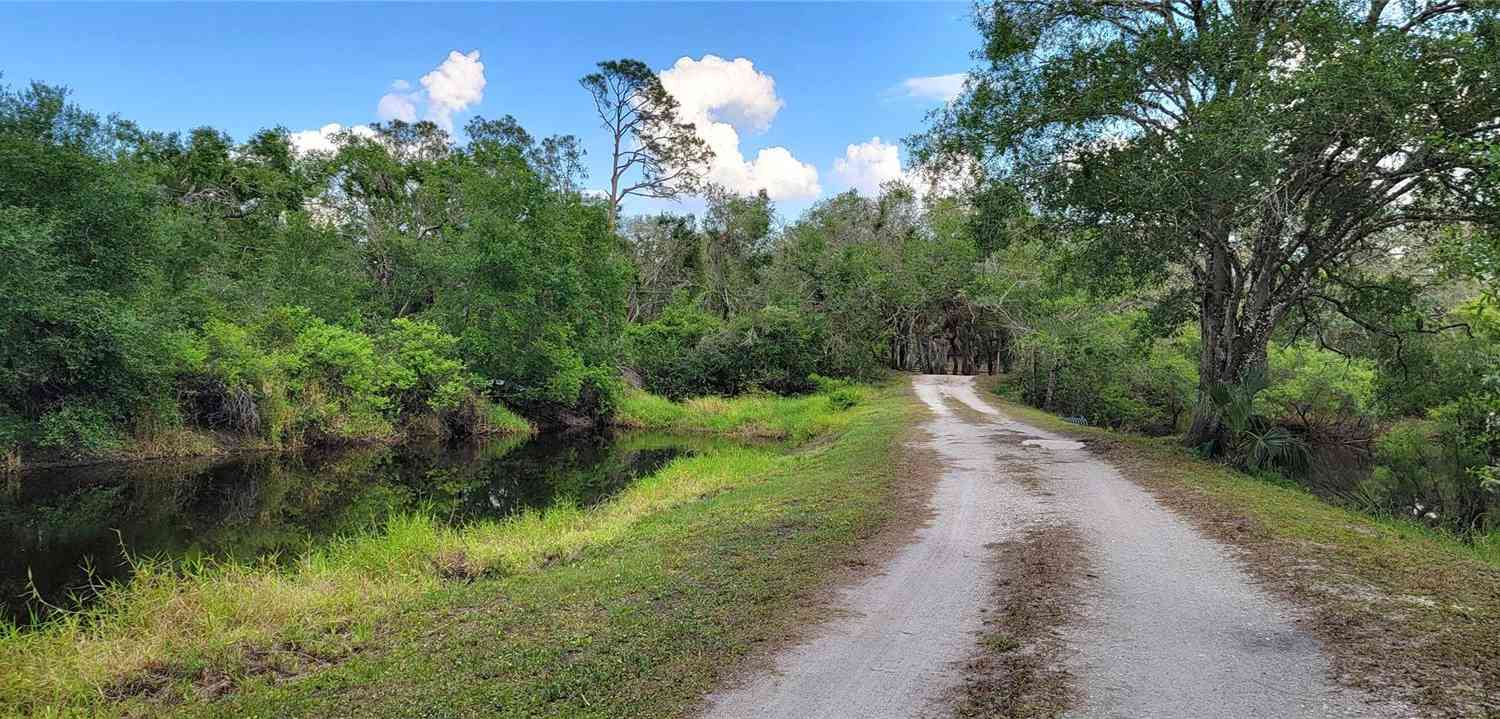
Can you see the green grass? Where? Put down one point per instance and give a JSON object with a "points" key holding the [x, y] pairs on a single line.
{"points": [[499, 419], [754, 415], [633, 608]]}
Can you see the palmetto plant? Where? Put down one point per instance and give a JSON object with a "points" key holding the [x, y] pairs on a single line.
{"points": [[1253, 441]]}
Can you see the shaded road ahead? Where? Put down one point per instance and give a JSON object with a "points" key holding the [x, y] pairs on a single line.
{"points": [[1170, 625]]}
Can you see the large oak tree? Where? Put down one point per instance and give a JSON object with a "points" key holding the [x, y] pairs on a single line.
{"points": [[1260, 151]]}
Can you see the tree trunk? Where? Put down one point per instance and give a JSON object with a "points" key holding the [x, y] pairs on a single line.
{"points": [[1236, 326], [1051, 386]]}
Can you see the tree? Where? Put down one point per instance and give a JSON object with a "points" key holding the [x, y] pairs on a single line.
{"points": [[664, 156], [667, 253], [736, 244], [557, 158], [1262, 150], [390, 195]]}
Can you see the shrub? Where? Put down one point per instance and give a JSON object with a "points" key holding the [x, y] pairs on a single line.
{"points": [[1253, 441], [829, 385], [1316, 387], [1164, 386], [843, 398], [77, 429], [775, 349], [1092, 367], [1428, 370], [688, 353], [422, 367], [1440, 470], [665, 351], [293, 376]]}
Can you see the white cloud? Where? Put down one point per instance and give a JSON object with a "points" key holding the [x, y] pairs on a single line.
{"points": [[945, 88], [322, 139], [449, 88], [397, 106], [452, 86], [718, 95], [732, 90], [868, 165]]}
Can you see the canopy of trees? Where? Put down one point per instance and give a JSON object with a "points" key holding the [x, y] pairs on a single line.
{"points": [[155, 279], [1264, 154]]}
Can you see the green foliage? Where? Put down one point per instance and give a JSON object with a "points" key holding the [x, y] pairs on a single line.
{"points": [[775, 349], [81, 255], [1233, 184], [1426, 370], [309, 380], [1313, 385], [1080, 361], [843, 398], [535, 289], [687, 352], [1252, 440], [145, 269], [423, 367], [1441, 470], [665, 351], [754, 414], [1166, 381], [77, 429]]}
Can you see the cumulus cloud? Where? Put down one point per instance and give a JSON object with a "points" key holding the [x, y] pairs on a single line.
{"points": [[945, 88], [721, 97], [448, 89], [867, 165], [397, 106], [322, 139], [453, 86]]}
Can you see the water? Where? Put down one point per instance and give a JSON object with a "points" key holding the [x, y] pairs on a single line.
{"points": [[62, 526]]}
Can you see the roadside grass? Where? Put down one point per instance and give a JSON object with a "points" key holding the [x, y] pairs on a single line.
{"points": [[752, 415], [633, 607], [1406, 612]]}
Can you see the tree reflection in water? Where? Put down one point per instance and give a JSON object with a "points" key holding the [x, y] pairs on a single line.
{"points": [[66, 527]]}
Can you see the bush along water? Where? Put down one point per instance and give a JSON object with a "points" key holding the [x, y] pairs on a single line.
{"points": [[292, 379]]}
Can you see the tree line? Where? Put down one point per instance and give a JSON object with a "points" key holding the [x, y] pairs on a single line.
{"points": [[168, 292], [1268, 228]]}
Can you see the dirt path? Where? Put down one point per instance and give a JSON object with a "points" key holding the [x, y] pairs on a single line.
{"points": [[895, 648], [1170, 626]]}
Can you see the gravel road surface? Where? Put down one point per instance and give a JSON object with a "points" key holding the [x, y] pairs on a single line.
{"points": [[1171, 625]]}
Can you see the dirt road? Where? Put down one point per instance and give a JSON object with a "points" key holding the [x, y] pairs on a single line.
{"points": [[1169, 625]]}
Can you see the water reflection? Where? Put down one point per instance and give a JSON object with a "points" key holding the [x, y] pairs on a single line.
{"points": [[61, 525]]}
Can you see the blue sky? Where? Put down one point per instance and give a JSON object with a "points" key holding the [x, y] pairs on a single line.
{"points": [[838, 71]]}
